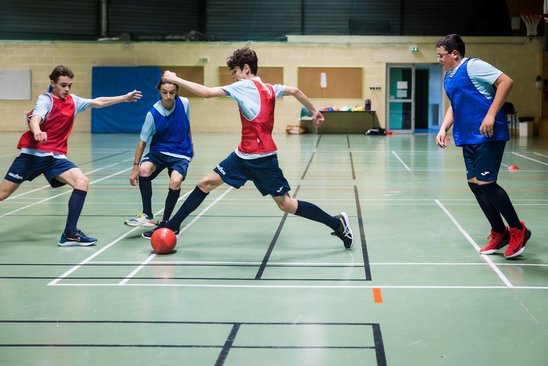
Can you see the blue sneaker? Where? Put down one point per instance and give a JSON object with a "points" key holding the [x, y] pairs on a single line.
{"points": [[78, 239]]}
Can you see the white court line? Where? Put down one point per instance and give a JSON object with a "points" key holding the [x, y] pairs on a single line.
{"points": [[88, 259], [151, 257], [317, 264], [85, 261], [60, 194], [401, 161], [539, 154], [137, 269], [528, 158], [476, 246], [360, 287]]}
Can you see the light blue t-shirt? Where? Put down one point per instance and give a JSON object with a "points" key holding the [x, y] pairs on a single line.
{"points": [[482, 74]]}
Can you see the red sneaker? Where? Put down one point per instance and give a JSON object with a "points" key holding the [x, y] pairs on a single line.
{"points": [[496, 241], [518, 239]]}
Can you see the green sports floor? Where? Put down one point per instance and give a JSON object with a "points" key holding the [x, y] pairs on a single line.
{"points": [[249, 285]]}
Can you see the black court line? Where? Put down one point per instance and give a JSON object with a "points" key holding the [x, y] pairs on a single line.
{"points": [[105, 157], [366, 264], [309, 161], [164, 278], [228, 345], [266, 257], [160, 264], [378, 345]]}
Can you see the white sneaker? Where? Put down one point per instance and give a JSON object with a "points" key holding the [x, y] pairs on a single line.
{"points": [[140, 220]]}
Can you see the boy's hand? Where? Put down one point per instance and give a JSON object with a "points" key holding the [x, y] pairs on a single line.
{"points": [[317, 118], [169, 76], [133, 96]]}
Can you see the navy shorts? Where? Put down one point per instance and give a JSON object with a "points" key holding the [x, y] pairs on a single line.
{"points": [[483, 160], [264, 172], [162, 161], [27, 167]]}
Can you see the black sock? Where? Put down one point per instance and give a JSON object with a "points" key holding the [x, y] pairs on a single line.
{"points": [[194, 199], [312, 212], [145, 186], [498, 197], [490, 212], [171, 201], [75, 205]]}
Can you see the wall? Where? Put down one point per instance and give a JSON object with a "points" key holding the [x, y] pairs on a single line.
{"points": [[519, 57]]}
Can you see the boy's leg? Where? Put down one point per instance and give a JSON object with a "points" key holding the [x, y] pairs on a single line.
{"points": [[176, 178], [79, 182], [147, 173], [7, 188], [145, 187], [490, 212], [171, 200], [340, 224], [194, 199]]}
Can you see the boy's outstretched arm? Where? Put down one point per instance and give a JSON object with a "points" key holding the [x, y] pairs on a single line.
{"points": [[195, 88], [317, 117], [101, 102]]}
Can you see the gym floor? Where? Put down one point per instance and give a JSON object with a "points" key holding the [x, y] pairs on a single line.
{"points": [[249, 285]]}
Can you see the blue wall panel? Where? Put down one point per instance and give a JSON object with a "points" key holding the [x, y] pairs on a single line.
{"points": [[112, 81]]}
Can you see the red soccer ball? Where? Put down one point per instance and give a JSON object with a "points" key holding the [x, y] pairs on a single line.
{"points": [[163, 241]]}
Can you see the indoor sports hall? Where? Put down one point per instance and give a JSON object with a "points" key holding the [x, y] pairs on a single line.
{"points": [[248, 284], [251, 285]]}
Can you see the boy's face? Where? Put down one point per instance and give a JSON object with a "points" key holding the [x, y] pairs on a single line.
{"points": [[61, 88], [448, 60], [168, 92]]}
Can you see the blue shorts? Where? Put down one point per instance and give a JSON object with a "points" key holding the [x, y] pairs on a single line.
{"points": [[27, 167], [162, 161], [483, 160], [264, 172]]}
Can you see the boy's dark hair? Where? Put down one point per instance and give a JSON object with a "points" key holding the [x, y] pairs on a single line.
{"points": [[241, 57], [59, 71], [162, 82], [452, 42]]}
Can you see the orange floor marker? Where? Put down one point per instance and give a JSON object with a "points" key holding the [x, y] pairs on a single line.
{"points": [[377, 296], [513, 167]]}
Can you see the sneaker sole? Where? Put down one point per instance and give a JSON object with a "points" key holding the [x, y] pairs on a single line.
{"points": [[492, 251], [138, 225], [347, 221], [527, 236], [75, 244]]}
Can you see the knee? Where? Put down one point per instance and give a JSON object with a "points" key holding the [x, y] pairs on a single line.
{"points": [[207, 185], [175, 184], [288, 205], [82, 183], [286, 208]]}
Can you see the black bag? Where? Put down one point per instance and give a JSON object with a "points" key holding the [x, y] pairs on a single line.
{"points": [[376, 131]]}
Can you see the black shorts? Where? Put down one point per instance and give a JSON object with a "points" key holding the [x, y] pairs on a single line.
{"points": [[264, 172], [483, 160]]}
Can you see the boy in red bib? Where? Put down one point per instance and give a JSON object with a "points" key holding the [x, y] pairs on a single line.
{"points": [[255, 158], [44, 148]]}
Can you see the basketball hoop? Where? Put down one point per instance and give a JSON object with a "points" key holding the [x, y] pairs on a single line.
{"points": [[531, 22]]}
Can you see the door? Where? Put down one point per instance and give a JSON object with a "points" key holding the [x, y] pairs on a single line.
{"points": [[414, 97], [401, 101]]}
